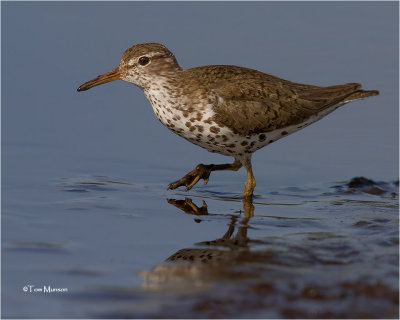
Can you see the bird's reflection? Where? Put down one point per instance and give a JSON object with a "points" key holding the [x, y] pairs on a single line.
{"points": [[189, 207], [227, 240], [209, 258]]}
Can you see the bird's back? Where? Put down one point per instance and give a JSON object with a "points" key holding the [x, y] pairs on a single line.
{"points": [[251, 101]]}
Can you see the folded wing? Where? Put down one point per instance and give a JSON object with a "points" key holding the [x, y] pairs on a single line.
{"points": [[255, 102]]}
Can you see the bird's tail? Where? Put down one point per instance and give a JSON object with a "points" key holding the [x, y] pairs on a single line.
{"points": [[361, 94], [339, 94]]}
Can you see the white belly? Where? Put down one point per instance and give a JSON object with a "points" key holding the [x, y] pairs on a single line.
{"points": [[197, 125]]}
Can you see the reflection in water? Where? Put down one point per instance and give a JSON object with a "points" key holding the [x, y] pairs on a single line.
{"points": [[189, 207], [211, 257], [327, 251], [311, 270], [215, 255]]}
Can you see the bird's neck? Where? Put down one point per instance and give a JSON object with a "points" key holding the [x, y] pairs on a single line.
{"points": [[165, 86], [161, 91]]}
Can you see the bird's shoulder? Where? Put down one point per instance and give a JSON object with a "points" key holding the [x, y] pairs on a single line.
{"points": [[239, 82]]}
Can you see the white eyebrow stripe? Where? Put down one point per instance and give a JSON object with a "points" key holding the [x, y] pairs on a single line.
{"points": [[152, 54]]}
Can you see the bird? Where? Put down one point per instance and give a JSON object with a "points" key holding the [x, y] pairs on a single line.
{"points": [[225, 109]]}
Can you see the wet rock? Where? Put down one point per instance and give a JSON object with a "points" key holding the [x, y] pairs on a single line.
{"points": [[375, 191], [366, 185], [359, 182]]}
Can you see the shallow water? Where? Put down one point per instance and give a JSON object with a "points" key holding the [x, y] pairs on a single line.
{"points": [[130, 250], [84, 175]]}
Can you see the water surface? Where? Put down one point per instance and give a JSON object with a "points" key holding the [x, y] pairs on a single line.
{"points": [[84, 175]]}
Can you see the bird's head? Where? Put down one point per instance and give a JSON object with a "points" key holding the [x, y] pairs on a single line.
{"points": [[141, 65]]}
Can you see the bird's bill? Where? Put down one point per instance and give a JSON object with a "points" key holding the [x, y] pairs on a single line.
{"points": [[104, 78]]}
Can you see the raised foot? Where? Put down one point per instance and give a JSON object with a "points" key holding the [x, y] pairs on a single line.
{"points": [[200, 172]]}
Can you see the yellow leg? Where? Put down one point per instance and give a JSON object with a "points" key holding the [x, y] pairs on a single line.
{"points": [[251, 181], [248, 209]]}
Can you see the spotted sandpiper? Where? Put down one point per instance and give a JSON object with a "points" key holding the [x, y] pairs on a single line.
{"points": [[229, 110]]}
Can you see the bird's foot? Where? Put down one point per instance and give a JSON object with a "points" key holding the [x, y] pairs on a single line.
{"points": [[200, 172], [189, 207]]}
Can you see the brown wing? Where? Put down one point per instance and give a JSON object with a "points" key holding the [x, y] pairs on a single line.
{"points": [[253, 102]]}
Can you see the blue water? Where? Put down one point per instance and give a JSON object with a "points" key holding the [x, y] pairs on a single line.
{"points": [[84, 175]]}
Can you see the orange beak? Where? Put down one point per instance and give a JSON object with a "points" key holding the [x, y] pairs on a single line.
{"points": [[104, 78]]}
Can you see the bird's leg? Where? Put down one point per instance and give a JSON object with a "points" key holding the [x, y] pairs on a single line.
{"points": [[203, 171], [248, 208], [250, 183]]}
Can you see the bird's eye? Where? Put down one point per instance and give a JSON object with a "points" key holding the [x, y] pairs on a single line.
{"points": [[144, 60]]}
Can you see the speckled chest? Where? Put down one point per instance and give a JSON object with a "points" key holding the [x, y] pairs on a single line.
{"points": [[194, 122], [198, 123]]}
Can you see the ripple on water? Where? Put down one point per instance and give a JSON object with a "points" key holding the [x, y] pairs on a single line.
{"points": [[334, 256], [319, 251]]}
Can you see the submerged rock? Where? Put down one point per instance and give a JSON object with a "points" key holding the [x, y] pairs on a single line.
{"points": [[359, 182], [371, 187]]}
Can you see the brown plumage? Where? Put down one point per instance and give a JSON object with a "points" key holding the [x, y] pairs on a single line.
{"points": [[225, 109], [255, 102]]}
